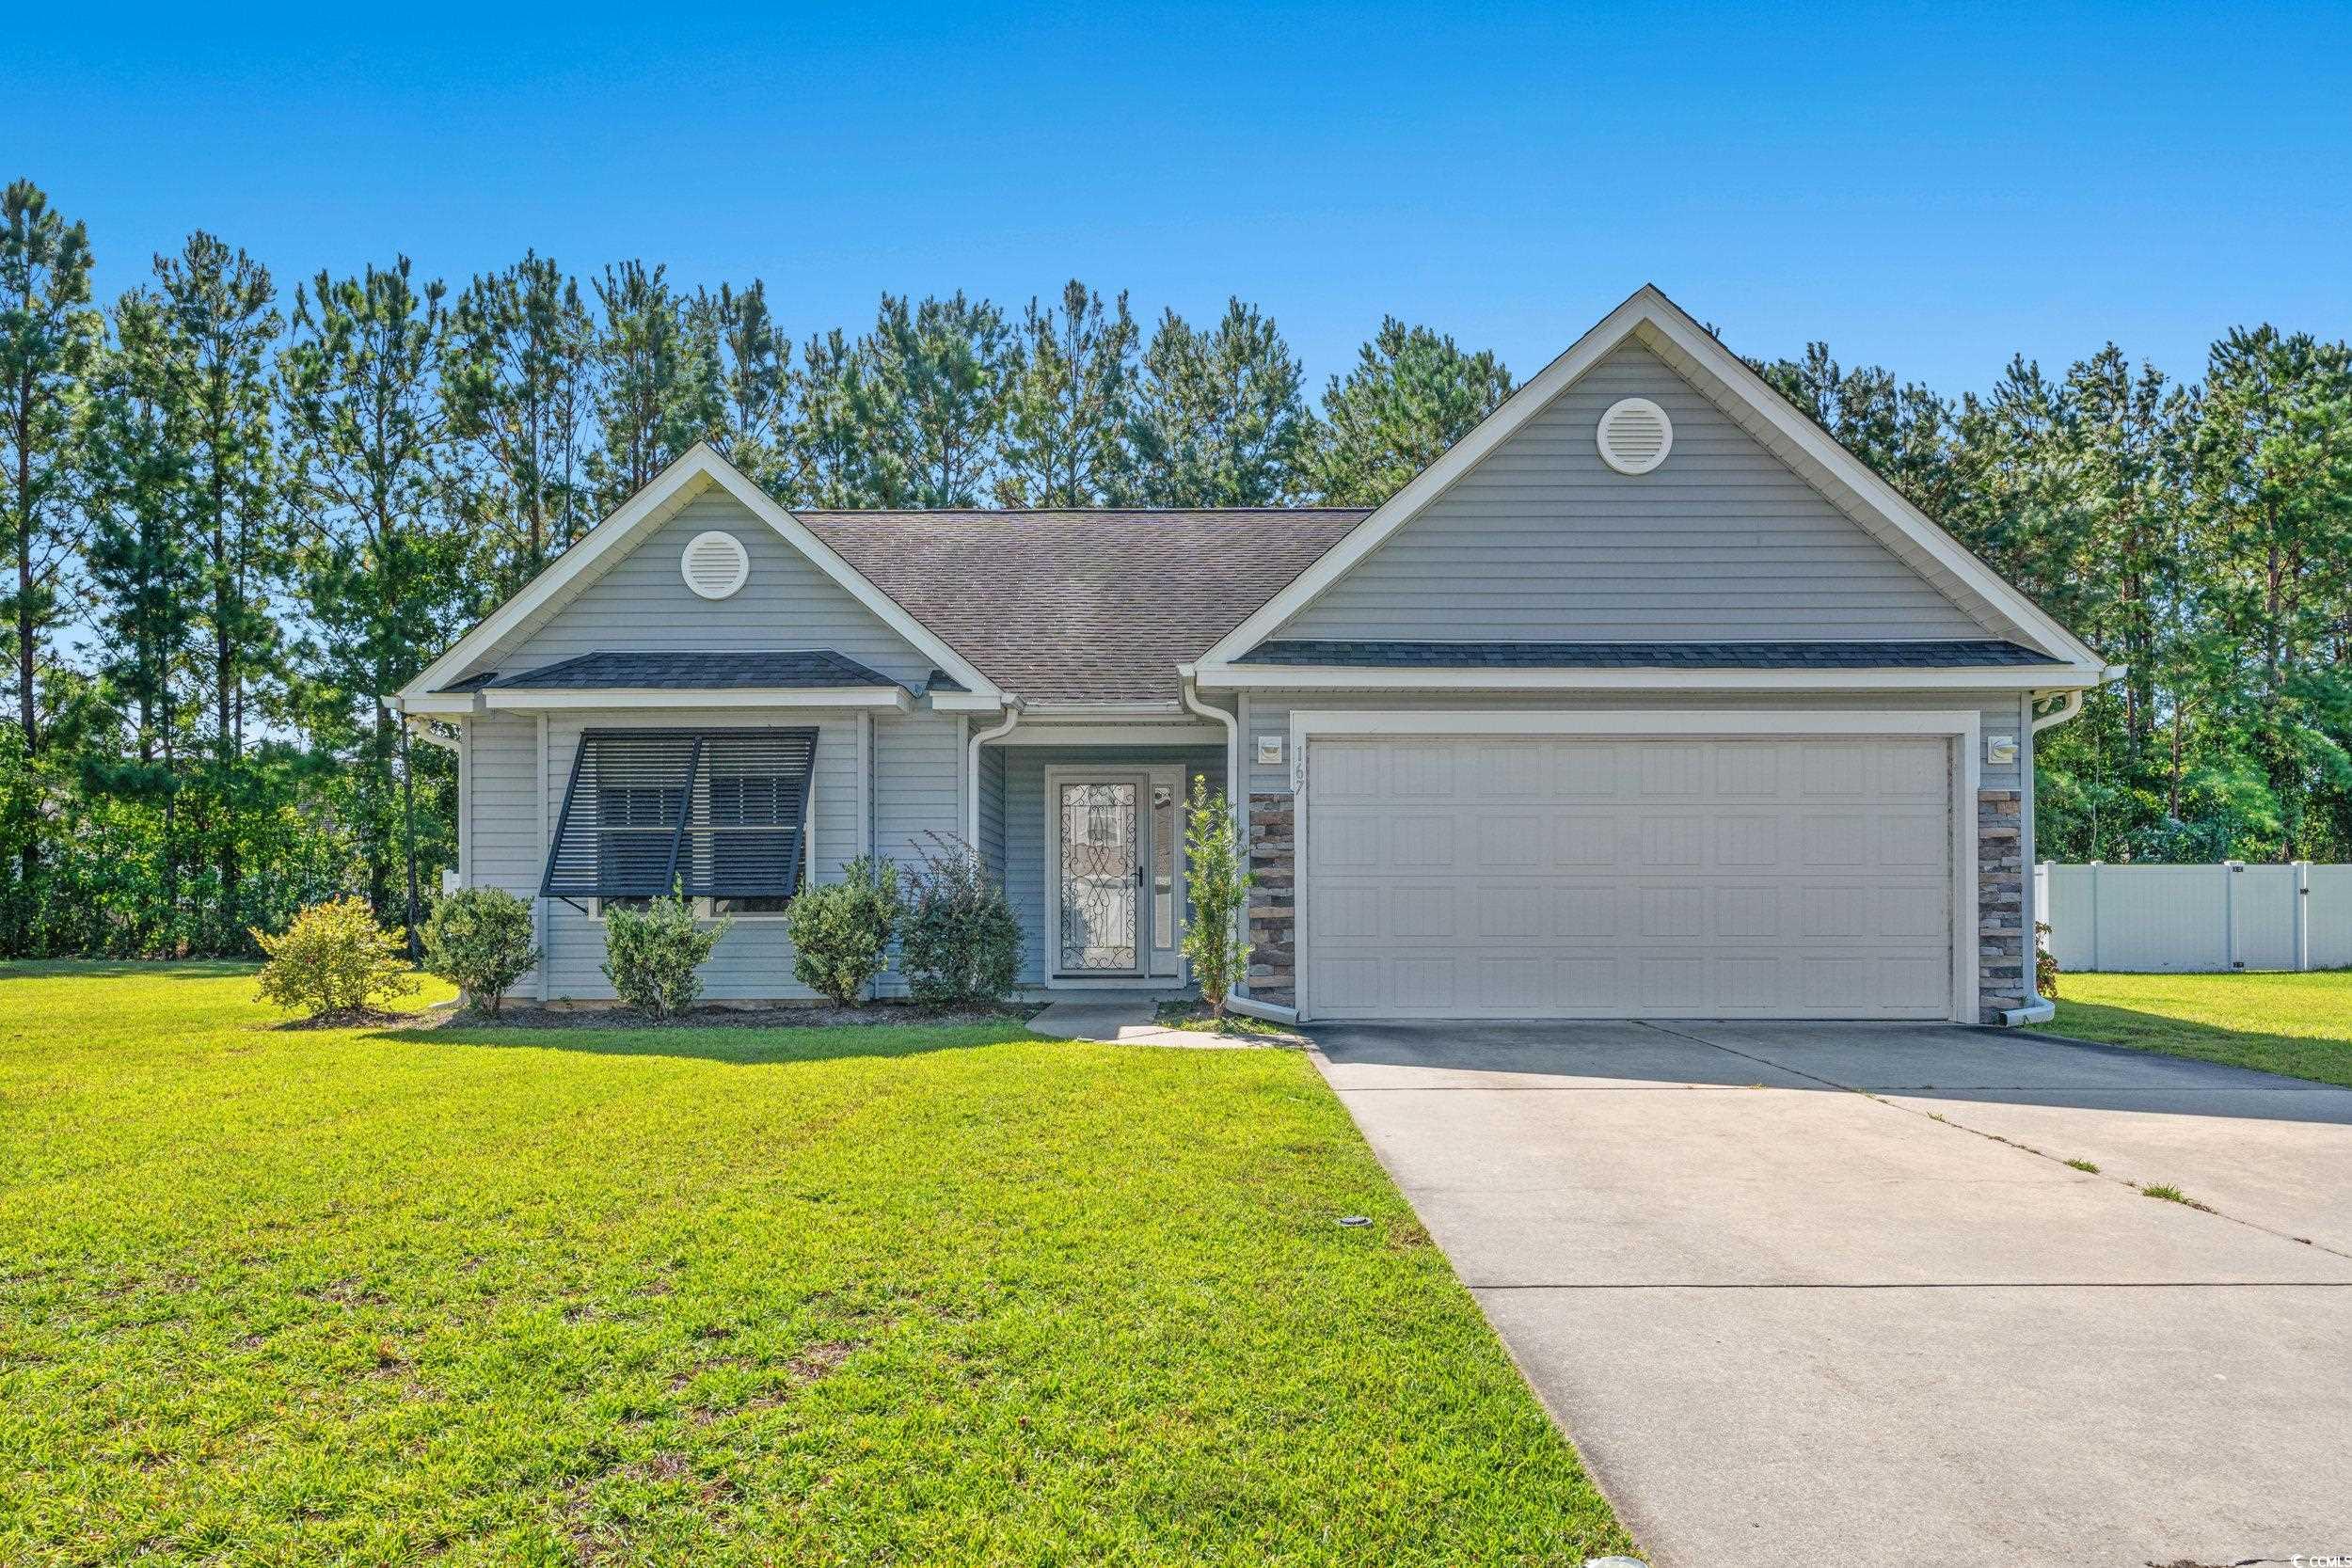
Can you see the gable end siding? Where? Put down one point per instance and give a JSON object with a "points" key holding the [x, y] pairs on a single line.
{"points": [[1542, 540], [642, 604]]}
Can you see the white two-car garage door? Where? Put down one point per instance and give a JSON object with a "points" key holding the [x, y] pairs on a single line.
{"points": [[1464, 877]]}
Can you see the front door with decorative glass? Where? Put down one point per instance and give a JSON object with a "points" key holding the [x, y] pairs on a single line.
{"points": [[1103, 917]]}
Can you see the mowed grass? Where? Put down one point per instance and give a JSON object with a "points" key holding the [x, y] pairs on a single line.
{"points": [[712, 1296], [2298, 1024]]}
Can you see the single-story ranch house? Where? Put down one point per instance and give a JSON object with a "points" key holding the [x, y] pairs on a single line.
{"points": [[1646, 700]]}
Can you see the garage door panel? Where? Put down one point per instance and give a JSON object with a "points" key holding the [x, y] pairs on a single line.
{"points": [[1669, 769], [1920, 840], [1729, 878], [1424, 913], [1504, 837], [1586, 908], [1582, 839], [1747, 912], [1747, 841]]}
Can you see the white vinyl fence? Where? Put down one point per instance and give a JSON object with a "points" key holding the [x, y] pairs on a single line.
{"points": [[2157, 918]]}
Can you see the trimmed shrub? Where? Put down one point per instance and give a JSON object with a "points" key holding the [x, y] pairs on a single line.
{"points": [[1217, 880], [479, 939], [654, 956], [2045, 964], [334, 960], [960, 943], [841, 931]]}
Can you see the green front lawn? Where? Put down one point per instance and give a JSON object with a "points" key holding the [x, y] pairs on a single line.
{"points": [[877, 1295], [2298, 1024]]}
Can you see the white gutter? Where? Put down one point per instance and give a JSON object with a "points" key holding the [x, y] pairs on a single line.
{"points": [[2070, 704], [972, 771], [1077, 707]]}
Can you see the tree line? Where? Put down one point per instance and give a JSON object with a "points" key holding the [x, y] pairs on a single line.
{"points": [[235, 517]]}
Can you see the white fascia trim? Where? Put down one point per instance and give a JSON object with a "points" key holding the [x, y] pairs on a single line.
{"points": [[1308, 723], [1295, 677], [1647, 305], [891, 697], [699, 465], [437, 704], [967, 702], [1087, 708], [1033, 733]]}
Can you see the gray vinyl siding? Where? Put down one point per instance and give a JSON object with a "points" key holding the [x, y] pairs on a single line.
{"points": [[991, 844], [640, 603], [914, 789], [1543, 541], [2005, 713], [918, 788], [1025, 820], [505, 845]]}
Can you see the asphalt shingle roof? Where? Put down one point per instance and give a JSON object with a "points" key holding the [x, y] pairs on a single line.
{"points": [[771, 669], [1921, 654], [1083, 605]]}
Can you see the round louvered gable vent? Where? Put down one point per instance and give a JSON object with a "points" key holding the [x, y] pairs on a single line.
{"points": [[1635, 435], [714, 564]]}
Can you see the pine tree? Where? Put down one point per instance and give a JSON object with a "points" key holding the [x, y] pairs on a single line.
{"points": [[145, 572], [1903, 432], [2272, 524], [366, 439], [515, 378], [659, 387], [735, 332], [1218, 416], [941, 370], [221, 327], [1066, 438], [49, 339], [1411, 395], [838, 454]]}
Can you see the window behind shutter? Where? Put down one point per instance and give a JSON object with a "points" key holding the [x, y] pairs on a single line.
{"points": [[720, 812]]}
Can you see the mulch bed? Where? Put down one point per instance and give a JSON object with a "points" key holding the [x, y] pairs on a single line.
{"points": [[348, 1018], [873, 1014]]}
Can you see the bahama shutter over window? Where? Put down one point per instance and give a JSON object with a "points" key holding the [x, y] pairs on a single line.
{"points": [[713, 812]]}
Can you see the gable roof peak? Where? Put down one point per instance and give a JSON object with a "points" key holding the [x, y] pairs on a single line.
{"points": [[1694, 353], [654, 502]]}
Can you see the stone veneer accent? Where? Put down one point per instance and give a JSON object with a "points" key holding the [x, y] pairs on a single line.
{"points": [[1273, 901], [2001, 936]]}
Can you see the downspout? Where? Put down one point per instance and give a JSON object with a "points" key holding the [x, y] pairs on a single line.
{"points": [[1239, 999], [2070, 705], [972, 771], [422, 729], [2040, 1008]]}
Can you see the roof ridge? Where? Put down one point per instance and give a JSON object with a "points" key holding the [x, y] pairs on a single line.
{"points": [[1057, 511]]}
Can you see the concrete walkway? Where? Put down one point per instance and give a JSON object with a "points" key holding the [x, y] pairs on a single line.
{"points": [[1788, 1322], [1119, 1019]]}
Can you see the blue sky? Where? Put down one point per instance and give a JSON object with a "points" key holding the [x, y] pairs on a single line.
{"points": [[1929, 187]]}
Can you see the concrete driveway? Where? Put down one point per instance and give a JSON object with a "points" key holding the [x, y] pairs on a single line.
{"points": [[1789, 1322]]}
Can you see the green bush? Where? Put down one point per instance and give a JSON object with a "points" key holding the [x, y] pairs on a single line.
{"points": [[479, 939], [653, 956], [334, 959], [841, 931], [960, 943], [2045, 964], [1217, 880]]}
